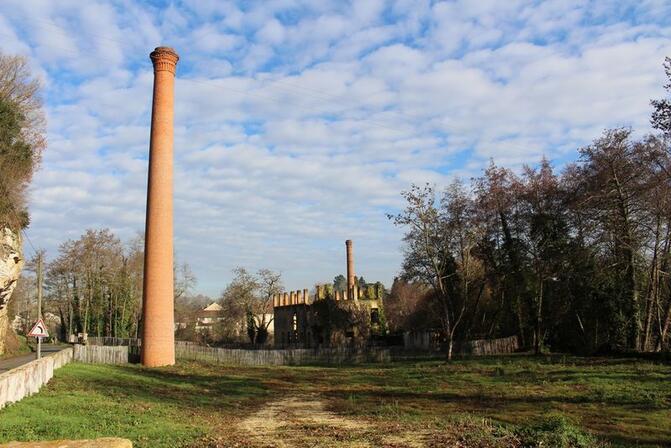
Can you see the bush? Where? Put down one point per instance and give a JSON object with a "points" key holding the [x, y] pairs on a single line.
{"points": [[555, 430]]}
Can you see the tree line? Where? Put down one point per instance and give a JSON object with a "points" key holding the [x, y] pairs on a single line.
{"points": [[94, 284], [573, 260]]}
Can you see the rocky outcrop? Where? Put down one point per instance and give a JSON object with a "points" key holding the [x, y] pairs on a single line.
{"points": [[11, 263]]}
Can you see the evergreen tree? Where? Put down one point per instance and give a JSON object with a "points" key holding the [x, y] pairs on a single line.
{"points": [[340, 283]]}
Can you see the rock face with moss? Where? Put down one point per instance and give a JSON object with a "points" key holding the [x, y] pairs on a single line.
{"points": [[11, 262]]}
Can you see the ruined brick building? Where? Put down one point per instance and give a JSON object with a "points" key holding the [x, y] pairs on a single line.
{"points": [[328, 316]]}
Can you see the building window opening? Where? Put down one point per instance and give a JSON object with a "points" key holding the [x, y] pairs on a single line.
{"points": [[295, 322], [374, 316]]}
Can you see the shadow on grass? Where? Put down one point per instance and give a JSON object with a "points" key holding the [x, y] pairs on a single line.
{"points": [[487, 400], [398, 404], [172, 386], [635, 377]]}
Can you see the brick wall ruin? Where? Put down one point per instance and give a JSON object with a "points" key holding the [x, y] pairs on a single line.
{"points": [[294, 317]]}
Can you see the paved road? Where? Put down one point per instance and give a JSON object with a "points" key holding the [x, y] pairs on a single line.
{"points": [[16, 361]]}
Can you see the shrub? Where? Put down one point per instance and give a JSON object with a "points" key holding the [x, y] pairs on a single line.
{"points": [[556, 430]]}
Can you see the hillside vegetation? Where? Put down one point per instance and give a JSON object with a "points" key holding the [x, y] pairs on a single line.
{"points": [[21, 143]]}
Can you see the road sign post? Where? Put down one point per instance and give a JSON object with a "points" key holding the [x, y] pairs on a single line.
{"points": [[39, 331], [40, 275]]}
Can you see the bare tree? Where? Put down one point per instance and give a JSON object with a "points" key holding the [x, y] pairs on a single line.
{"points": [[248, 298], [661, 115], [270, 283], [407, 308], [440, 238], [614, 186], [185, 280], [544, 235]]}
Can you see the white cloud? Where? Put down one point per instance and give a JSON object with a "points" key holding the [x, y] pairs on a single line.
{"points": [[271, 32], [296, 125]]}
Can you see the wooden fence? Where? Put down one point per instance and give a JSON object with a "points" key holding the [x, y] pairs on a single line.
{"points": [[94, 340], [283, 357], [99, 354], [302, 356], [486, 347]]}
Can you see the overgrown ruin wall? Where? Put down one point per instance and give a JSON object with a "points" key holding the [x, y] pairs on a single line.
{"points": [[293, 310], [11, 263]]}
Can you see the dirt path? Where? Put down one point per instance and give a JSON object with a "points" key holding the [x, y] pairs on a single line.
{"points": [[304, 421]]}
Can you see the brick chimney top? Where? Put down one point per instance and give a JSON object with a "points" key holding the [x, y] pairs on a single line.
{"points": [[164, 58]]}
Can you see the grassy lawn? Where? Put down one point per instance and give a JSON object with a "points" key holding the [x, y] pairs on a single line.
{"points": [[495, 402]]}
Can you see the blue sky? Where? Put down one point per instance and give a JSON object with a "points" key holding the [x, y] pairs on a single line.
{"points": [[298, 123]]}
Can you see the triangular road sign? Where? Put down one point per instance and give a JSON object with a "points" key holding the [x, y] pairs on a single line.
{"points": [[39, 330]]}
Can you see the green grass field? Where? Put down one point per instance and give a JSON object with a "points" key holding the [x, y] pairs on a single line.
{"points": [[495, 402]]}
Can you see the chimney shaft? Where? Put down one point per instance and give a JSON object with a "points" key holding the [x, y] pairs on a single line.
{"points": [[158, 326], [350, 269]]}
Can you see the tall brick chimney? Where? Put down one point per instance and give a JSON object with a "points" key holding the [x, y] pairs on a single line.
{"points": [[158, 331], [350, 270]]}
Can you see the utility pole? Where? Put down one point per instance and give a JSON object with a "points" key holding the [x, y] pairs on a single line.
{"points": [[39, 300]]}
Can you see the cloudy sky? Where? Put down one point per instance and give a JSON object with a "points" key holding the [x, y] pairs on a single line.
{"points": [[297, 123]]}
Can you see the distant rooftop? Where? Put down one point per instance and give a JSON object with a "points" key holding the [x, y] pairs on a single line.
{"points": [[213, 307]]}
